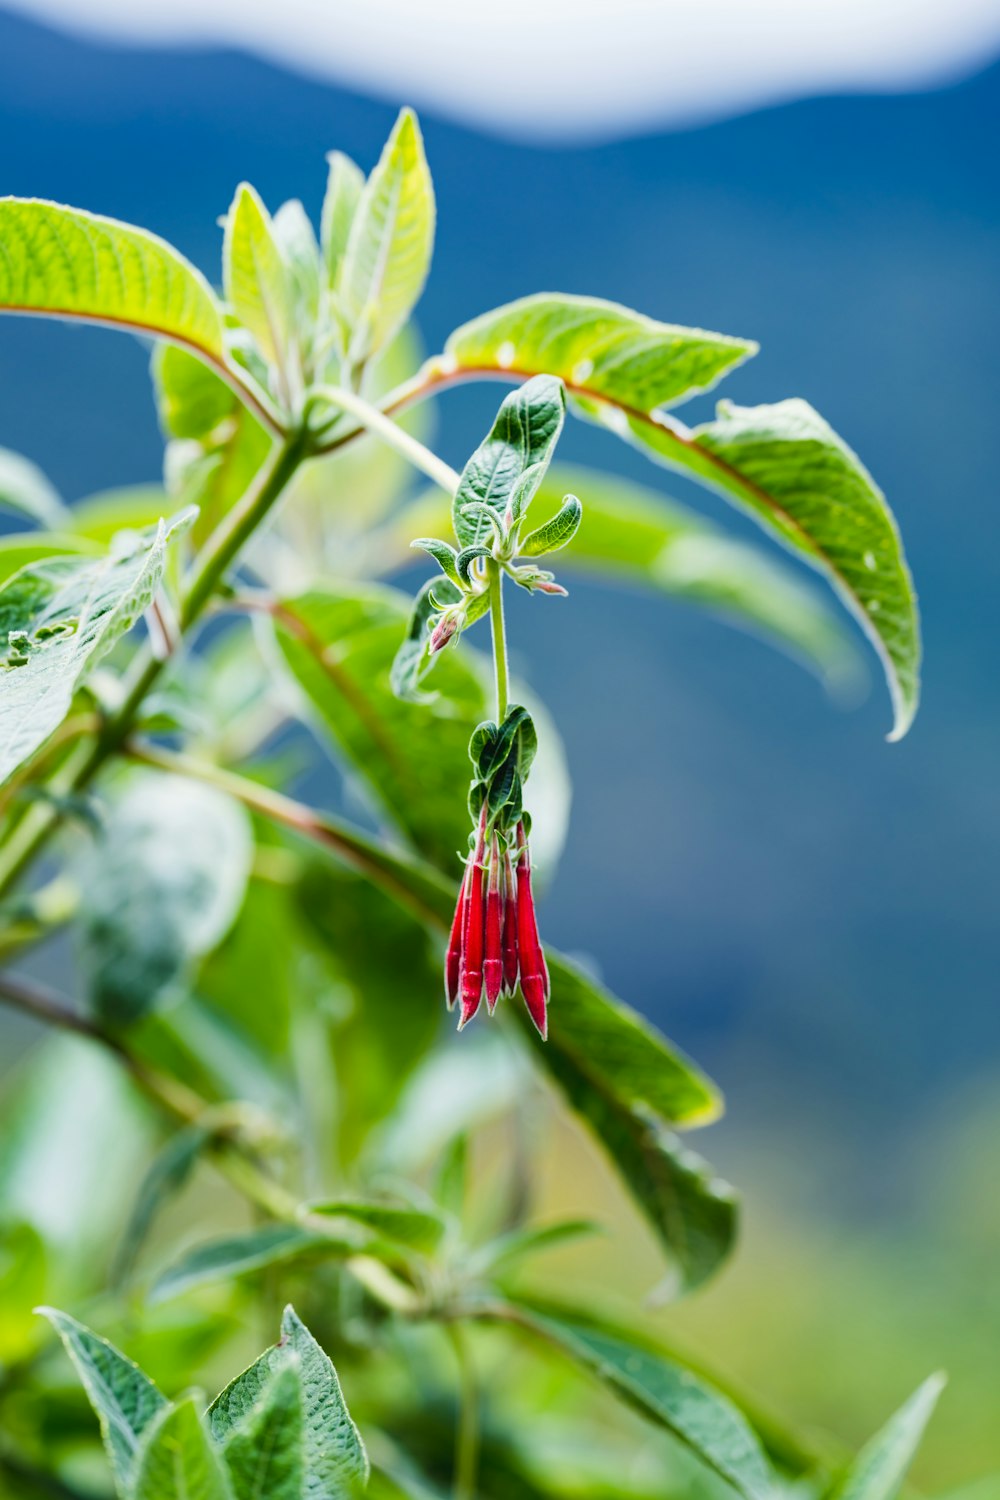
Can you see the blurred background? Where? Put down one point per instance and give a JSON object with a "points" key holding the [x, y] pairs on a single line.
{"points": [[809, 911]]}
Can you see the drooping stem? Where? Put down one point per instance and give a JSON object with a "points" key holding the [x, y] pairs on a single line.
{"points": [[372, 417], [467, 1430], [495, 576]]}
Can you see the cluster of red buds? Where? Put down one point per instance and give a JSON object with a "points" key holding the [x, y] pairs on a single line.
{"points": [[494, 941]]}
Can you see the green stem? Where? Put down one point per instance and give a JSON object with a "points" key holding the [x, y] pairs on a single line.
{"points": [[391, 433], [495, 575], [467, 1430]]}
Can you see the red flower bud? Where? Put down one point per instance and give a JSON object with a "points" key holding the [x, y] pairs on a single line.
{"points": [[531, 959], [453, 963], [493, 962], [509, 927], [473, 934], [442, 632]]}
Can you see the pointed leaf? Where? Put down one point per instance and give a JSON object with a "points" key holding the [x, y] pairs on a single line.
{"points": [[26, 491], [508, 1249], [57, 619], [789, 469], [167, 1174], [698, 1416], [264, 1452], [125, 1400], [336, 1461], [242, 1254], [597, 348], [415, 1228], [881, 1466], [177, 1460], [556, 533], [256, 279], [343, 192], [296, 239], [64, 263], [443, 554], [160, 888], [389, 247], [521, 443]]}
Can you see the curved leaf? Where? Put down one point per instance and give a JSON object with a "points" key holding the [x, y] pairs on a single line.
{"points": [[415, 1228], [598, 348], [25, 490], [519, 446], [788, 468], [242, 1254], [881, 1466], [65, 263], [389, 245], [177, 1460], [125, 1400]]}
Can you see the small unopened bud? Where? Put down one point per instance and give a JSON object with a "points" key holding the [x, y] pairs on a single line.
{"points": [[531, 959], [443, 632], [549, 586], [493, 961]]}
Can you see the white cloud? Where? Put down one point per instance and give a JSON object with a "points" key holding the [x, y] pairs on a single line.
{"points": [[571, 69]]}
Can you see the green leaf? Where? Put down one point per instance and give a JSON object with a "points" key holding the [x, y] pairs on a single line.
{"points": [[336, 1461], [623, 1078], [241, 1254], [412, 660], [338, 644], [296, 238], [881, 1466], [443, 554], [67, 614], [789, 469], [64, 263], [413, 1228], [191, 398], [520, 444], [26, 491], [167, 1174], [556, 533], [631, 533], [516, 1245], [263, 1452], [160, 888], [255, 276], [343, 192], [389, 246], [698, 1416], [177, 1460], [598, 348], [24, 547], [125, 1400]]}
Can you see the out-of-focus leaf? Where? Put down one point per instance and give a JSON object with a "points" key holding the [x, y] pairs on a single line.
{"points": [[336, 1464], [177, 1460], [263, 1451], [413, 1228], [789, 470], [389, 966], [255, 276], [518, 1244], [512, 459], [23, 1281], [126, 1402], [58, 618], [64, 263], [26, 491], [161, 887], [881, 1466], [598, 347], [129, 507], [241, 1254], [698, 1416], [24, 547], [343, 192], [389, 246], [167, 1174], [339, 644]]}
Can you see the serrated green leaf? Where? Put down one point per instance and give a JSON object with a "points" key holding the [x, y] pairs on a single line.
{"points": [[125, 1400], [241, 1254], [159, 888], [556, 533], [701, 1418], [264, 1452], [26, 491], [630, 1086], [255, 277], [788, 468], [516, 452], [880, 1467], [343, 192], [177, 1460], [414, 1228], [68, 613], [64, 263], [597, 347], [389, 247], [336, 1461], [339, 643]]}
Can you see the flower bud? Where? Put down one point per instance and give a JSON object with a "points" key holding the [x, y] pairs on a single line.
{"points": [[531, 959], [493, 961], [509, 927]]}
